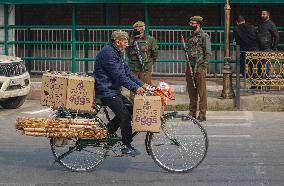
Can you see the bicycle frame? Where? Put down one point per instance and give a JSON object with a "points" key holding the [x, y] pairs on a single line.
{"points": [[93, 151], [112, 137]]}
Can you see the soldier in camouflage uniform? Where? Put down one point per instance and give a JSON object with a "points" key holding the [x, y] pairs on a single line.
{"points": [[148, 49], [199, 48]]}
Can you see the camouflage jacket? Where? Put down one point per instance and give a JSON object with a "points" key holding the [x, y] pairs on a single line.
{"points": [[149, 51], [199, 48]]}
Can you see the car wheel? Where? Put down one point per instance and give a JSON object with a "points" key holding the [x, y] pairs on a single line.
{"points": [[14, 102]]}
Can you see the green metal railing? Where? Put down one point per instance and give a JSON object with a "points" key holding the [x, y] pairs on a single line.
{"points": [[6, 31], [30, 43], [217, 44]]}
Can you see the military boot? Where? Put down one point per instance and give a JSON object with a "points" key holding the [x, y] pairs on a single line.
{"points": [[201, 118]]}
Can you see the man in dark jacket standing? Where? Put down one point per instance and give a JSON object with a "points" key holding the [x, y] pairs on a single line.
{"points": [[111, 73], [245, 36], [268, 36]]}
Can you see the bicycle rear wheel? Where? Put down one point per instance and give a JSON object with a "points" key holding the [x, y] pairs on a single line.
{"points": [[77, 155], [181, 145]]}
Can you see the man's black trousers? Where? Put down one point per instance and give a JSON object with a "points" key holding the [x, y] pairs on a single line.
{"points": [[122, 109]]}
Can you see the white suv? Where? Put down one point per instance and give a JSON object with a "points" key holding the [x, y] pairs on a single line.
{"points": [[14, 82]]}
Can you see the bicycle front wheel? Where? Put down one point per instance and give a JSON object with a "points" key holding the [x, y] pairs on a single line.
{"points": [[181, 145]]}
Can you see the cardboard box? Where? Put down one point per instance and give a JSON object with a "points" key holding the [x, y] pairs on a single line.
{"points": [[80, 93], [53, 90], [146, 114]]}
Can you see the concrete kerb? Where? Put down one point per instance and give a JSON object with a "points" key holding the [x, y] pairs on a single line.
{"points": [[263, 102], [249, 102], [254, 102]]}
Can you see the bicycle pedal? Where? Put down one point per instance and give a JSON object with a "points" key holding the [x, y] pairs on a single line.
{"points": [[116, 149], [117, 153]]}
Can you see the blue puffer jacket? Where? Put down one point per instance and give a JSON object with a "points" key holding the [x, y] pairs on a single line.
{"points": [[111, 73]]}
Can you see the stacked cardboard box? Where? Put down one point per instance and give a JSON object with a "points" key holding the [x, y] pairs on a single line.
{"points": [[147, 114], [75, 92]]}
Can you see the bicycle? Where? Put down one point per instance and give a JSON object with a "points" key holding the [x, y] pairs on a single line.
{"points": [[180, 147]]}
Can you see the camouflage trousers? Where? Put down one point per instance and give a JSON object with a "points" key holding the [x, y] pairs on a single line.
{"points": [[146, 77], [199, 91]]}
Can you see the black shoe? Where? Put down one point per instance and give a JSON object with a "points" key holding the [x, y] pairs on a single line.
{"points": [[201, 118], [130, 151]]}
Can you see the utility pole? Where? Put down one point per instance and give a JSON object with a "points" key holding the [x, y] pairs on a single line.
{"points": [[227, 91]]}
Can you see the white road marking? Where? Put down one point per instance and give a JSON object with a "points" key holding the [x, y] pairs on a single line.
{"points": [[228, 124], [249, 115], [229, 136], [37, 112], [227, 117]]}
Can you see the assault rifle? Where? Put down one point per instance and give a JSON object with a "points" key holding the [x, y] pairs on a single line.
{"points": [[188, 61], [139, 55]]}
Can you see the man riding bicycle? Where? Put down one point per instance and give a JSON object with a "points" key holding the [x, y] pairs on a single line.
{"points": [[111, 73]]}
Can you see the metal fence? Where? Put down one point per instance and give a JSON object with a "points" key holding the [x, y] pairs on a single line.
{"points": [[171, 55], [50, 47], [264, 69]]}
